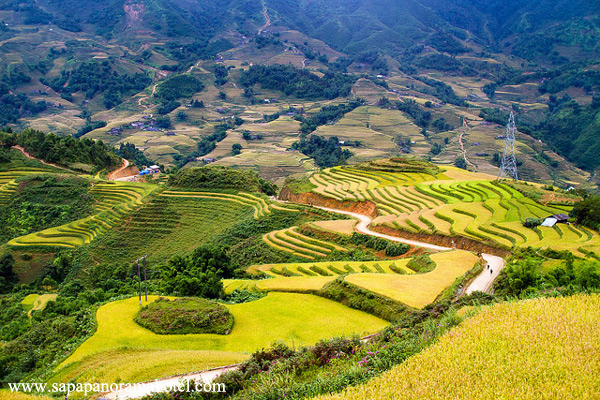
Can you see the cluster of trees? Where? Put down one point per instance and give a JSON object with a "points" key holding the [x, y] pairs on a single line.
{"points": [[412, 108], [328, 114], [198, 274], [447, 43], [326, 152], [391, 249], [298, 82], [14, 106], [442, 91], [524, 277], [184, 85], [62, 149], [8, 278], [587, 212], [129, 152], [93, 77], [186, 54]]}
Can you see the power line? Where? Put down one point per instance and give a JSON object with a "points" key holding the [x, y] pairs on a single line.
{"points": [[508, 167]]}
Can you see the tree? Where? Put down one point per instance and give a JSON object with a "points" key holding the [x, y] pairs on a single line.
{"points": [[236, 149], [198, 274], [222, 95], [460, 162], [182, 116], [587, 212], [8, 278]]}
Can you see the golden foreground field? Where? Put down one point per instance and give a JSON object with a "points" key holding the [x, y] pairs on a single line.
{"points": [[545, 348], [111, 354]]}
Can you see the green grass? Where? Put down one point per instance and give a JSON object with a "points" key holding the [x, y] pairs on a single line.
{"points": [[297, 319]]}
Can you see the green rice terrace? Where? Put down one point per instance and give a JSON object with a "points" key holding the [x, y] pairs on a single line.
{"points": [[468, 206], [284, 271]]}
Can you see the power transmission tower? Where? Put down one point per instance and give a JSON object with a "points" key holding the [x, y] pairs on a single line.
{"points": [[508, 167]]}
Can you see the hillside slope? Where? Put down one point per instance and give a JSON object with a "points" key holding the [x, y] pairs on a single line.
{"points": [[542, 348]]}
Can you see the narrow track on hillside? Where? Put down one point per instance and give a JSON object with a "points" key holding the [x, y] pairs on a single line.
{"points": [[267, 20], [26, 154], [462, 145], [482, 283]]}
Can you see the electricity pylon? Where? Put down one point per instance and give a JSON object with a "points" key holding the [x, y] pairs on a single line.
{"points": [[508, 167]]}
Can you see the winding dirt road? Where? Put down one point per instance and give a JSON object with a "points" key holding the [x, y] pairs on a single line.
{"points": [[267, 20], [116, 171], [26, 154], [462, 145], [482, 283]]}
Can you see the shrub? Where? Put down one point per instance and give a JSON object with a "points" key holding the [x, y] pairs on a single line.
{"points": [[396, 249], [421, 263], [185, 316]]}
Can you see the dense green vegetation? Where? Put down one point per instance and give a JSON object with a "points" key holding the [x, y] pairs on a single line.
{"points": [[179, 86], [44, 201], [12, 107], [198, 274], [326, 152], [92, 78], [297, 82], [587, 212], [215, 177], [185, 315], [63, 150], [526, 275]]}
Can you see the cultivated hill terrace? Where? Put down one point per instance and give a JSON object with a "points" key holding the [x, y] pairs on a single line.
{"points": [[299, 200]]}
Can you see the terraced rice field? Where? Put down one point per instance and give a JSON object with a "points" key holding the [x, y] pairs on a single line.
{"points": [[419, 290], [333, 268], [293, 242], [166, 226], [348, 183], [545, 348], [297, 319], [260, 205], [116, 200], [482, 210]]}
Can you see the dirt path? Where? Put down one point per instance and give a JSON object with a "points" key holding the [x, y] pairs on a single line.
{"points": [[116, 171], [482, 283], [147, 97], [26, 154], [160, 385], [363, 227], [267, 20], [462, 146]]}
